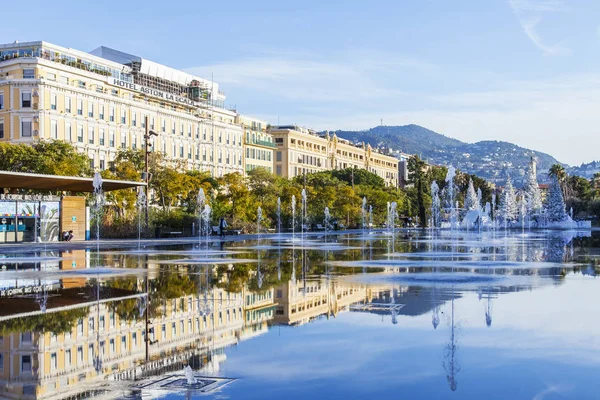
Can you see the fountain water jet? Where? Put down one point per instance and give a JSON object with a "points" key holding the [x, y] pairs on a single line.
{"points": [[200, 201]]}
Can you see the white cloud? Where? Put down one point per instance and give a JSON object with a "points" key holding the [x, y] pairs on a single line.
{"points": [[356, 89], [529, 14]]}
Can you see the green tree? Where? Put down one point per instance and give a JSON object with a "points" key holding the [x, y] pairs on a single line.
{"points": [[416, 177]]}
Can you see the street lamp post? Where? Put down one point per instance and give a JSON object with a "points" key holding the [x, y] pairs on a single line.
{"points": [[147, 135]]}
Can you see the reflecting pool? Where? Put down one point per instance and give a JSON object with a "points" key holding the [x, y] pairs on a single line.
{"points": [[420, 314]]}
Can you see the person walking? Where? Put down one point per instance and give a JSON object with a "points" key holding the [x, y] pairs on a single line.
{"points": [[222, 226]]}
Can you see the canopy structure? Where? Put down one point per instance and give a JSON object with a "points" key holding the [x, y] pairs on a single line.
{"points": [[22, 180]]}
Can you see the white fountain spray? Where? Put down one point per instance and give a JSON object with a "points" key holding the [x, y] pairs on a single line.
{"points": [[303, 212], [450, 188], [370, 218], [141, 205], [364, 212], [293, 217], [326, 221], [279, 215], [200, 202], [98, 204], [259, 217], [205, 216]]}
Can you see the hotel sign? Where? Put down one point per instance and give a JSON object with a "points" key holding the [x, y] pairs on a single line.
{"points": [[153, 92]]}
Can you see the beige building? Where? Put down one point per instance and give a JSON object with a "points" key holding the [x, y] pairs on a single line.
{"points": [[302, 151], [301, 302], [99, 103], [102, 347], [258, 144]]}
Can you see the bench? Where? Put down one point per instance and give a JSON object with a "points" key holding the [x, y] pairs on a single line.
{"points": [[171, 234]]}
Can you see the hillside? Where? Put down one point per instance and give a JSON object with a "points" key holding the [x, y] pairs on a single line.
{"points": [[586, 170], [490, 160]]}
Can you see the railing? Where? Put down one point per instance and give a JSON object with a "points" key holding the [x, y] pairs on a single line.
{"points": [[263, 143]]}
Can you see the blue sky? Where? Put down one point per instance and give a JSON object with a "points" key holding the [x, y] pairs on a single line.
{"points": [[525, 71]]}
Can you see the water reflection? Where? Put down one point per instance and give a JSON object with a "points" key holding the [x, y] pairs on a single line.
{"points": [[87, 322]]}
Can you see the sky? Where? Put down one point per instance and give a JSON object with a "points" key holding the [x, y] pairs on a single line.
{"points": [[523, 71]]}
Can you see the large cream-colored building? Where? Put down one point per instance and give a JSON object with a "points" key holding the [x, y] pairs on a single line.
{"points": [[102, 346], [99, 102], [302, 151]]}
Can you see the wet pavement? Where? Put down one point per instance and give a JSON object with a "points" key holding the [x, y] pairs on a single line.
{"points": [[349, 315]]}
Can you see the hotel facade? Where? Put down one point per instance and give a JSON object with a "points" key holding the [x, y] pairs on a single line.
{"points": [[100, 102]]}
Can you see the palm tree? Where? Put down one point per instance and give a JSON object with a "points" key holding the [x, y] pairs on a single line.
{"points": [[558, 171]]}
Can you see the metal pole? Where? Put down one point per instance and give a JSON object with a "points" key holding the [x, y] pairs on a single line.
{"points": [[146, 137]]}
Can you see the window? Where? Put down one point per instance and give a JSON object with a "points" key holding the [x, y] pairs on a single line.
{"points": [[164, 125], [112, 320], [53, 101], [68, 105], [112, 346], [28, 73], [90, 109], [278, 156], [1, 100], [181, 129], [79, 107], [163, 331], [54, 129], [101, 137], [90, 352], [102, 164], [25, 338], [80, 355], [80, 133], [123, 343], [189, 130], [111, 115], [1, 129], [68, 357], [173, 128], [123, 116], [111, 139], [134, 339], [101, 111], [53, 362], [26, 363], [278, 170], [25, 99], [91, 135], [68, 133], [25, 127], [80, 326], [152, 123]]}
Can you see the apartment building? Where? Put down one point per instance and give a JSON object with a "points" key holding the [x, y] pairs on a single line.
{"points": [[302, 151], [258, 144], [99, 102]]}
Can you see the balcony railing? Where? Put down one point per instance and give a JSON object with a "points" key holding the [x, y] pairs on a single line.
{"points": [[263, 143]]}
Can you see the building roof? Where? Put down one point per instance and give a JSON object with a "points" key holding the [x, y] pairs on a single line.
{"points": [[22, 180]]}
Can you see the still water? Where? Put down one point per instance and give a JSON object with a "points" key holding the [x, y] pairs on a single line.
{"points": [[417, 315]]}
